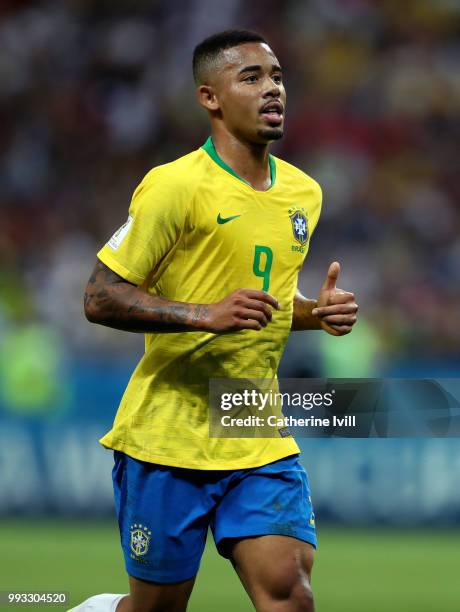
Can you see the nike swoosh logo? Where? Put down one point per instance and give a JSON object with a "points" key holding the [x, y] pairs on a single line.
{"points": [[222, 220]]}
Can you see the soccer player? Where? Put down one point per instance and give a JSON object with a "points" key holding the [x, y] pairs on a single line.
{"points": [[206, 266]]}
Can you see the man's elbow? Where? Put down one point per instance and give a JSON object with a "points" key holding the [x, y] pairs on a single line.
{"points": [[91, 314], [91, 309]]}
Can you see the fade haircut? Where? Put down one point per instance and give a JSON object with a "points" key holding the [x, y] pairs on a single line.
{"points": [[207, 52]]}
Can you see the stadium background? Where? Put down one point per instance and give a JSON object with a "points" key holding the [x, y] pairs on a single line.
{"points": [[93, 94]]}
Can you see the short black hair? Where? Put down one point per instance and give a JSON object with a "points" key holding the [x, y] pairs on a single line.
{"points": [[207, 51]]}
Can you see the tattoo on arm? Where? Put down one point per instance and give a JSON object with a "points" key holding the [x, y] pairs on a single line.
{"points": [[111, 300], [201, 312]]}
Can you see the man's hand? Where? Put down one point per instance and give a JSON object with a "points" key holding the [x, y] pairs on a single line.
{"points": [[336, 309], [242, 309]]}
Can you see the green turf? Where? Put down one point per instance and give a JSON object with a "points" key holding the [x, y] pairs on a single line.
{"points": [[355, 571]]}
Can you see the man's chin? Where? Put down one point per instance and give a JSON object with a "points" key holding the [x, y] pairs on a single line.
{"points": [[269, 134]]}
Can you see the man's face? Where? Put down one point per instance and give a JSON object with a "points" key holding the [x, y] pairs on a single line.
{"points": [[249, 89]]}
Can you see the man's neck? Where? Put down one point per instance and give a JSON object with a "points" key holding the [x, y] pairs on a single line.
{"points": [[249, 161]]}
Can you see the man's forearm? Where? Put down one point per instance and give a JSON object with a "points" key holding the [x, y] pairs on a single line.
{"points": [[114, 302], [302, 318]]}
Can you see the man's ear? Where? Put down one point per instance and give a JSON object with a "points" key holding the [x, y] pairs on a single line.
{"points": [[207, 97]]}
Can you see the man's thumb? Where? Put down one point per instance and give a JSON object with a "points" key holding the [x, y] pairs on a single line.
{"points": [[332, 276]]}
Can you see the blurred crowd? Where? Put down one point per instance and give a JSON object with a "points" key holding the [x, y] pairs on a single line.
{"points": [[95, 93]]}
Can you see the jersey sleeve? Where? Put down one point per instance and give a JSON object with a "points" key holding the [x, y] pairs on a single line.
{"points": [[316, 208], [154, 225]]}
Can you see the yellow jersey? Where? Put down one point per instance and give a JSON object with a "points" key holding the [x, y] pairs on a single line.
{"points": [[195, 233]]}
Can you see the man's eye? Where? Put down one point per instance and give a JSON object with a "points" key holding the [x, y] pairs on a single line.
{"points": [[278, 78], [251, 78]]}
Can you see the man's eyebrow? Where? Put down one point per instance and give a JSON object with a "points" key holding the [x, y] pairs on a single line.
{"points": [[258, 68]]}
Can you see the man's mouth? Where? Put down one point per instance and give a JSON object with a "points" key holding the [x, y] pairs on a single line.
{"points": [[273, 112]]}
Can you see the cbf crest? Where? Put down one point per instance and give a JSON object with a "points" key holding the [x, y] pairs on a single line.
{"points": [[140, 539], [299, 223]]}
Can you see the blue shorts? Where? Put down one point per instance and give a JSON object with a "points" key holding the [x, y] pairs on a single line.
{"points": [[164, 512]]}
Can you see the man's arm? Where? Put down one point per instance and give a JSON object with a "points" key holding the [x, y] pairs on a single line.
{"points": [[111, 300], [302, 318], [335, 310]]}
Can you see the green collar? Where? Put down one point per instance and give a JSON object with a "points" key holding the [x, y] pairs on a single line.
{"points": [[211, 151]]}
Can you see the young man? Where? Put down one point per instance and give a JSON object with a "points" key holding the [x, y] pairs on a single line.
{"points": [[206, 266]]}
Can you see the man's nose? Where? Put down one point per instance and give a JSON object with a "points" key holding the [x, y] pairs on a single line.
{"points": [[271, 88]]}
